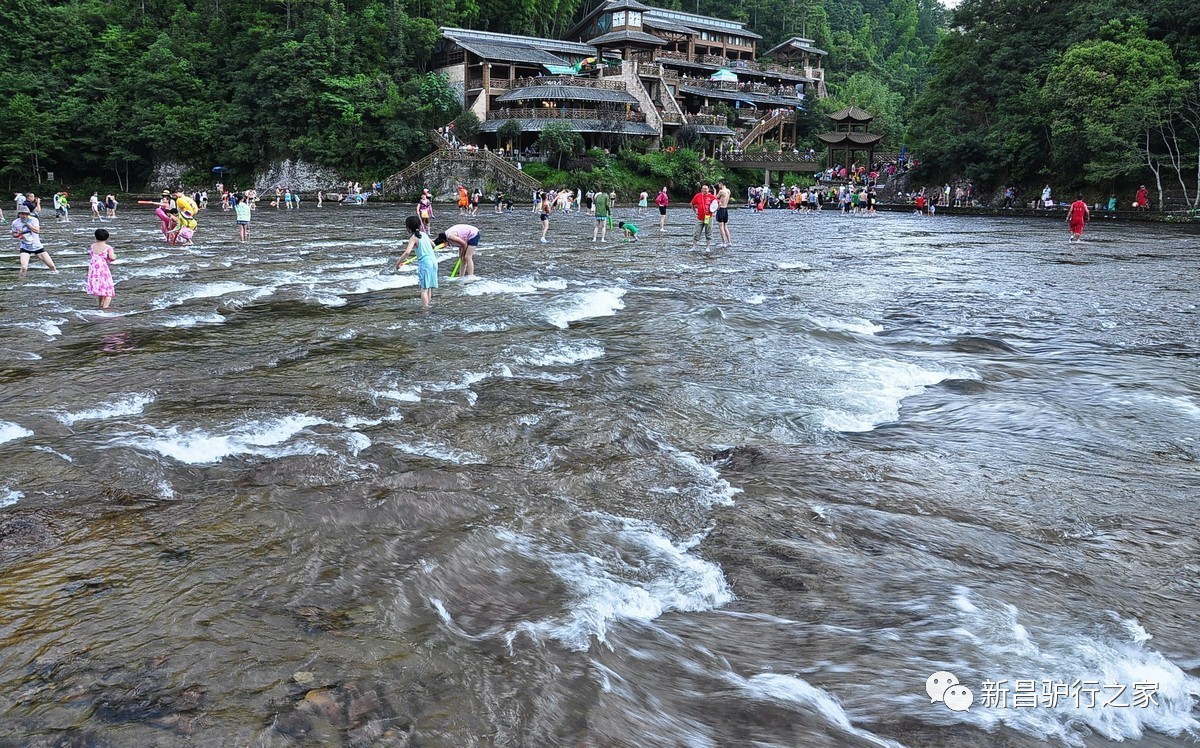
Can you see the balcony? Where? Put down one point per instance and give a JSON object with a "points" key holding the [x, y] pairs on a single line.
{"points": [[504, 84], [706, 119], [788, 92], [565, 113], [764, 68]]}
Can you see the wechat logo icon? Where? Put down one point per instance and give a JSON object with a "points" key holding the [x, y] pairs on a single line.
{"points": [[944, 687]]}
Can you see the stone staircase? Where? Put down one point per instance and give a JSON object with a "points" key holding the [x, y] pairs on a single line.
{"points": [[765, 125], [446, 168]]}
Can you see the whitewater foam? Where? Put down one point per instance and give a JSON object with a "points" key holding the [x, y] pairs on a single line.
{"points": [[1014, 650], [10, 431], [604, 302], [869, 392], [200, 447], [855, 325], [791, 689], [123, 405], [9, 496], [517, 286], [562, 355], [607, 587]]}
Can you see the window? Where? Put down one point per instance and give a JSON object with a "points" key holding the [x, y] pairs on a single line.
{"points": [[618, 18], [635, 18]]}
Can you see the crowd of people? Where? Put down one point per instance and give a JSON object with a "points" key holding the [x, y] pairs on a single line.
{"points": [[178, 214]]}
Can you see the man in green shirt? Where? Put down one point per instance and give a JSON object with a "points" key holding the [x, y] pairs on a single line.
{"points": [[603, 205]]}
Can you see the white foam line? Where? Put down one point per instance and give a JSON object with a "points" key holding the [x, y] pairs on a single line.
{"points": [[9, 496], [10, 431], [123, 405]]}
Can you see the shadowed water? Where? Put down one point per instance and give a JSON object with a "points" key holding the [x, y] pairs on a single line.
{"points": [[606, 495]]}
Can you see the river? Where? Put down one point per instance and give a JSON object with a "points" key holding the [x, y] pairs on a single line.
{"points": [[607, 494]]}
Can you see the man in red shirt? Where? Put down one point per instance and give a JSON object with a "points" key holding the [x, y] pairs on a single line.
{"points": [[1143, 199], [1077, 215], [702, 203], [920, 203]]}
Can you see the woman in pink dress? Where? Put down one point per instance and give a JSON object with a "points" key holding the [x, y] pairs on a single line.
{"points": [[99, 278]]}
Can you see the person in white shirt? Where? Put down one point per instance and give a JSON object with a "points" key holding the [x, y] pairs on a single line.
{"points": [[27, 230]]}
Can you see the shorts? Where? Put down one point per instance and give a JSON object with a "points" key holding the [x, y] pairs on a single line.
{"points": [[543, 217], [474, 241], [662, 210], [601, 218], [32, 251], [722, 215], [243, 223]]}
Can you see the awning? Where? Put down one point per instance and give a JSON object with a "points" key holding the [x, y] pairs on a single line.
{"points": [[561, 70]]}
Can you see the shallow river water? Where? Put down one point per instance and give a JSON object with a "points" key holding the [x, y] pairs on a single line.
{"points": [[607, 494]]}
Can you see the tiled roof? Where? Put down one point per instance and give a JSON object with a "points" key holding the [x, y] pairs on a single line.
{"points": [[858, 138], [665, 25], [796, 43], [754, 98], [571, 93], [693, 21], [532, 42], [852, 112], [637, 37]]}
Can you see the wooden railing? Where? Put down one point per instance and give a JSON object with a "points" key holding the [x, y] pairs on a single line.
{"points": [[766, 124], [786, 157], [706, 119], [757, 88], [565, 113], [413, 177], [747, 65], [547, 80]]}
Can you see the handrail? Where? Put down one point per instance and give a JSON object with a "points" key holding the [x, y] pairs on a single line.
{"points": [[565, 113], [546, 80], [808, 71], [765, 124], [497, 165]]}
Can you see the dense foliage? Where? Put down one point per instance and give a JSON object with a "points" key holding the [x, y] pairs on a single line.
{"points": [[1096, 93], [106, 88]]}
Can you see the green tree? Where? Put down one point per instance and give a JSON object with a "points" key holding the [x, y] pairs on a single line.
{"points": [[467, 125], [510, 133], [1104, 96], [559, 139]]}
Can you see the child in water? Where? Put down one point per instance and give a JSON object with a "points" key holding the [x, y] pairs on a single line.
{"points": [[99, 277], [427, 269], [630, 231]]}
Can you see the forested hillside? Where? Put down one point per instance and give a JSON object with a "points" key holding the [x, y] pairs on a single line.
{"points": [[1093, 93], [105, 88]]}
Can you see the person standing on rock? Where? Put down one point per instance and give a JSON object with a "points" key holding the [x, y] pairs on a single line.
{"points": [[1142, 201], [702, 204], [99, 277], [602, 204], [544, 211], [661, 200], [241, 212], [723, 214], [1077, 215], [427, 268], [27, 230]]}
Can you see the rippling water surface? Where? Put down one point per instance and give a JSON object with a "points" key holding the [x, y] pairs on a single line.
{"points": [[608, 494]]}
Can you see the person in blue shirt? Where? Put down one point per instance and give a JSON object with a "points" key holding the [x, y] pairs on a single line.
{"points": [[427, 269]]}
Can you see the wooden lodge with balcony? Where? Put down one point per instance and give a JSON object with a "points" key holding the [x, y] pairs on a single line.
{"points": [[630, 69]]}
